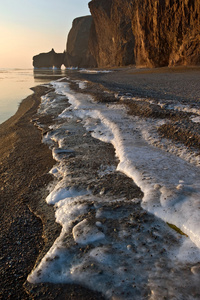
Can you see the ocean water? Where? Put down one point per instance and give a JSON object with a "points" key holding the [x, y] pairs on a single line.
{"points": [[139, 261], [15, 86]]}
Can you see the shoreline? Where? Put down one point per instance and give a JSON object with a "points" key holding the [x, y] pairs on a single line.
{"points": [[21, 230], [20, 140], [25, 214]]}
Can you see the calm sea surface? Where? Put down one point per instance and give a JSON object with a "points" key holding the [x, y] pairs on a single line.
{"points": [[15, 86]]}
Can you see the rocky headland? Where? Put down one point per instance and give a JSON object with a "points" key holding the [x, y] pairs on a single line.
{"points": [[131, 32], [146, 33]]}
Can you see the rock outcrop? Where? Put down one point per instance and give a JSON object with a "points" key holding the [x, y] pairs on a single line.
{"points": [[77, 52], [151, 33], [146, 32], [112, 40], [48, 60]]}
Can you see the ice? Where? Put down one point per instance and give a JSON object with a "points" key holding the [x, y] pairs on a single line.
{"points": [[172, 105], [94, 71], [82, 84], [59, 194], [137, 156], [67, 210], [72, 68], [83, 233], [110, 244], [195, 119], [59, 151], [187, 252], [101, 254], [65, 114], [106, 170]]}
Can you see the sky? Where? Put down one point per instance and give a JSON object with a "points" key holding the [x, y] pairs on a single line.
{"points": [[29, 27]]}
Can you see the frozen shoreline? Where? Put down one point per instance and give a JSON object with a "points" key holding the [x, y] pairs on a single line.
{"points": [[164, 191], [116, 81]]}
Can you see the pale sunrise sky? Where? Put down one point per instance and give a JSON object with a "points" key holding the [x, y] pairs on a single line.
{"points": [[28, 27]]}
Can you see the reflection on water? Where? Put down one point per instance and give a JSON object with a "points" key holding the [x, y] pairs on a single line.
{"points": [[49, 74], [15, 85]]}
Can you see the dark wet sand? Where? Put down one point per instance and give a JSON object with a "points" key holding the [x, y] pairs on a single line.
{"points": [[24, 166], [24, 163], [180, 85]]}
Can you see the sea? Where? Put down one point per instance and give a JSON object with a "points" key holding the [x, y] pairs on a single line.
{"points": [[15, 86]]}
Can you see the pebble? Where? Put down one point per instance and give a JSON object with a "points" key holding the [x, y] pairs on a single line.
{"points": [[98, 224], [103, 191], [180, 187]]}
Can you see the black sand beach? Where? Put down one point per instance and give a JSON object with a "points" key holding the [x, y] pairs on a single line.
{"points": [[25, 163]]}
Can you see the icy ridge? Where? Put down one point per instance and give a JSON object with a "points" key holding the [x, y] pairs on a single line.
{"points": [[170, 184]]}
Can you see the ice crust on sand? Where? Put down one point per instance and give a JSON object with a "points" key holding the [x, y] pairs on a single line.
{"points": [[94, 71], [103, 245], [83, 233], [145, 164]]}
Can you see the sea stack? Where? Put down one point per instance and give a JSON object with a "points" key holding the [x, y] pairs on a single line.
{"points": [[48, 60]]}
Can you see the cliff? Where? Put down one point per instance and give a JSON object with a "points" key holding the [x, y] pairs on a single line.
{"points": [[77, 51], [150, 33], [112, 40], [146, 32], [48, 60]]}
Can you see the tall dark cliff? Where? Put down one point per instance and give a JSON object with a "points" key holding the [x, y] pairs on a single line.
{"points": [[112, 39], [146, 32], [77, 51], [150, 33]]}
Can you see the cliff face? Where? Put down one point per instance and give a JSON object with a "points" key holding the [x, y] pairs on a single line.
{"points": [[112, 40], [167, 32], [77, 52], [48, 60], [146, 32]]}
